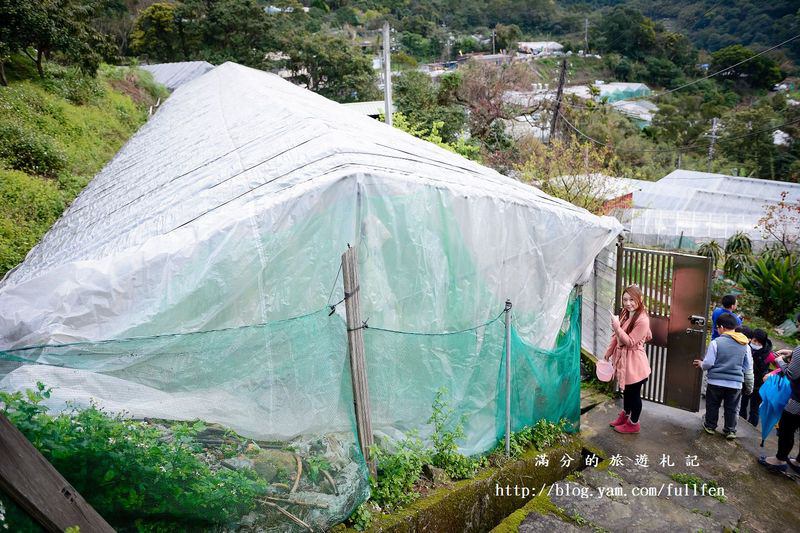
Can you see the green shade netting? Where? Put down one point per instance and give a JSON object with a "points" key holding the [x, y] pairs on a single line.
{"points": [[300, 377]]}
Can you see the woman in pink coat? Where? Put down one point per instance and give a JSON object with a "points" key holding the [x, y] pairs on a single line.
{"points": [[626, 352]]}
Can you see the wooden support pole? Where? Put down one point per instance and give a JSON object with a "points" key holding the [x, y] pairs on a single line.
{"points": [[562, 79], [619, 274], [355, 345], [31, 481], [508, 377], [387, 73]]}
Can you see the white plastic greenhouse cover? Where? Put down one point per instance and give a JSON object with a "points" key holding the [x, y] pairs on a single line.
{"points": [[173, 75], [758, 188], [662, 227], [232, 207]]}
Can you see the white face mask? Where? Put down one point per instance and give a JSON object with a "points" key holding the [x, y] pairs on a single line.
{"points": [[755, 346]]}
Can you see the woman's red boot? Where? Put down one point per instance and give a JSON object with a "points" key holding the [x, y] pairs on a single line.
{"points": [[621, 419], [627, 427]]}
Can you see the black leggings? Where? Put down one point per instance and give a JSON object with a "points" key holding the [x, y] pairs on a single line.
{"points": [[632, 400]]}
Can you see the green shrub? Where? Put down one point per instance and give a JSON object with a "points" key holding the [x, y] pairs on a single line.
{"points": [[44, 135], [71, 84], [775, 280], [361, 518], [28, 206], [22, 148], [736, 264], [541, 435], [445, 450], [128, 471], [398, 471], [712, 250]]}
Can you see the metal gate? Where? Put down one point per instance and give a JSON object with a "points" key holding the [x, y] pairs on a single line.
{"points": [[676, 289]]}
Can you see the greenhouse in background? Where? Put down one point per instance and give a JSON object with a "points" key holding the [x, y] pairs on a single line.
{"points": [[687, 208]]}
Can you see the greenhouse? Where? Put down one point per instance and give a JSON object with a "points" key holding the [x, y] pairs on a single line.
{"points": [[611, 92], [198, 277], [173, 75], [686, 208]]}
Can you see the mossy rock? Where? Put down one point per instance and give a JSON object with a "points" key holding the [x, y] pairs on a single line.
{"points": [[273, 465]]}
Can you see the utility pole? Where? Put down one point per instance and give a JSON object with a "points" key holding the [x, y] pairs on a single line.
{"points": [[586, 36], [387, 74], [494, 33], [557, 109], [714, 124]]}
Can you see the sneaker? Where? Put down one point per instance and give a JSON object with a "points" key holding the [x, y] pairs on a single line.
{"points": [[708, 429], [627, 427], [621, 419], [730, 436]]}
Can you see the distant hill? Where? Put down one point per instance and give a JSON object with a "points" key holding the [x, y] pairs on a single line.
{"points": [[715, 24]]}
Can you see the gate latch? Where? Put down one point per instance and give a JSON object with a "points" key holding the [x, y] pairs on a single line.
{"points": [[697, 320]]}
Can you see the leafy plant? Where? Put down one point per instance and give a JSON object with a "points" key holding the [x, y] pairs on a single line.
{"points": [[316, 465], [127, 471], [445, 450], [398, 471], [739, 243], [776, 281], [736, 264], [22, 148], [541, 435], [361, 518], [712, 250]]}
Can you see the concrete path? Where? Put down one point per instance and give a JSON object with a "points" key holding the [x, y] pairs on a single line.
{"points": [[656, 497]]}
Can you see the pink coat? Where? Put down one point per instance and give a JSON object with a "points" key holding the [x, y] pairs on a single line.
{"points": [[626, 352]]}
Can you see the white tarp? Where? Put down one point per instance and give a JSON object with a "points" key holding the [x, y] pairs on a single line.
{"points": [[173, 75], [232, 207]]}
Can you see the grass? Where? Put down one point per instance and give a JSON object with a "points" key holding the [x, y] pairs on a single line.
{"points": [[579, 69], [55, 134]]}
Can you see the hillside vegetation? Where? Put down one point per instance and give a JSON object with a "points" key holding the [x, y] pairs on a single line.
{"points": [[55, 134]]}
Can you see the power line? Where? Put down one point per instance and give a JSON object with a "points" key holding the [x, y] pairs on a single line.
{"points": [[670, 91], [722, 70], [681, 148]]}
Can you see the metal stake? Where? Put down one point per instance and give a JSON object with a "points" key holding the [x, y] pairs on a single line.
{"points": [[508, 377]]}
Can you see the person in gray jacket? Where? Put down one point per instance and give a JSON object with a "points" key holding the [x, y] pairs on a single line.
{"points": [[729, 363], [790, 418]]}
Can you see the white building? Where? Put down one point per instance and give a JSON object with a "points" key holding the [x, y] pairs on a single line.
{"points": [[539, 47]]}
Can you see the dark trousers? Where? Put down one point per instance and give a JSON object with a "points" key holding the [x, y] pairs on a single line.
{"points": [[632, 400], [753, 402], [788, 426], [729, 399]]}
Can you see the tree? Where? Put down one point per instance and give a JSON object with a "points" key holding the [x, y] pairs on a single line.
{"points": [[53, 26], [575, 172], [420, 102], [20, 20], [759, 72], [781, 222], [213, 30], [507, 36], [747, 139], [332, 66], [482, 91], [155, 33], [627, 31]]}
